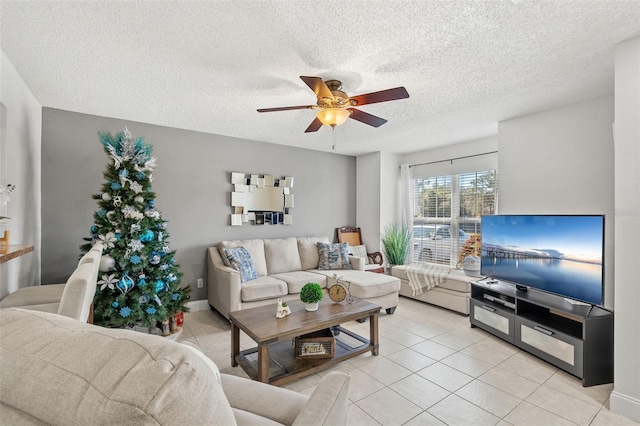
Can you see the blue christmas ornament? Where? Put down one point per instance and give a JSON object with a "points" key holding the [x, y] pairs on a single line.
{"points": [[140, 175], [117, 235], [115, 304], [116, 186], [102, 213], [159, 286], [175, 296], [124, 173], [151, 310], [125, 284], [151, 203], [94, 229], [147, 236], [154, 258], [135, 259], [144, 299], [125, 312], [141, 282]]}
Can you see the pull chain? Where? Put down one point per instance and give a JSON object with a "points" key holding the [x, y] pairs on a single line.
{"points": [[334, 137]]}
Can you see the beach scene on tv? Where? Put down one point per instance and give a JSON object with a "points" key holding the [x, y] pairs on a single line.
{"points": [[557, 254]]}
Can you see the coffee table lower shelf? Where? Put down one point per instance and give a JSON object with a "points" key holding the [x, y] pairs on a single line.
{"points": [[285, 368]]}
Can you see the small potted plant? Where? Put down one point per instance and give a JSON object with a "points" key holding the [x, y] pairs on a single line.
{"points": [[311, 294]]}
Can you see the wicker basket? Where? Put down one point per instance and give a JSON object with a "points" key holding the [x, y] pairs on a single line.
{"points": [[319, 344]]}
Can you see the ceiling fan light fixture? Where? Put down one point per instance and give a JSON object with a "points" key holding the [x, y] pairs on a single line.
{"points": [[333, 116]]}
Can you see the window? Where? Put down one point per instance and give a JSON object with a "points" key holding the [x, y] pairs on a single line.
{"points": [[450, 205]]}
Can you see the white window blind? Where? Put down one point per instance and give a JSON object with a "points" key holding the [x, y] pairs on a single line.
{"points": [[450, 205]]}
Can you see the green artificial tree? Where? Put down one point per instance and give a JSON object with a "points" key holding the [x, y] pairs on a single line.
{"points": [[139, 282]]}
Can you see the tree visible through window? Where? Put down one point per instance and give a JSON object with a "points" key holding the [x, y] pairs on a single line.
{"points": [[450, 205]]}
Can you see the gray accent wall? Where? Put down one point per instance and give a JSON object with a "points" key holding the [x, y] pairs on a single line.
{"points": [[192, 186]]}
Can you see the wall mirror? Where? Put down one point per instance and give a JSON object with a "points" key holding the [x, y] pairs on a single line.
{"points": [[261, 199]]}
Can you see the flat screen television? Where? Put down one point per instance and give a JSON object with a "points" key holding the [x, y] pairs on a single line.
{"points": [[558, 254]]}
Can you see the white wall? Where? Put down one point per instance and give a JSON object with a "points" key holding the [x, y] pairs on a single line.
{"points": [[23, 134], [377, 195], [560, 161], [625, 399], [368, 196], [433, 162]]}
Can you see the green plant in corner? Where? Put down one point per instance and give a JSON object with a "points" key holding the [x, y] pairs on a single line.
{"points": [[311, 293], [395, 240]]}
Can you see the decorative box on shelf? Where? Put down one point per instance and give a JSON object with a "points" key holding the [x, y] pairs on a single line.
{"points": [[319, 344]]}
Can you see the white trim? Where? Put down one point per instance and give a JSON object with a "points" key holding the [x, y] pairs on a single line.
{"points": [[198, 305], [625, 405]]}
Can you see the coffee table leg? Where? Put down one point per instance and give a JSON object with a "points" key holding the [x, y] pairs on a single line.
{"points": [[263, 363], [235, 344], [373, 333]]}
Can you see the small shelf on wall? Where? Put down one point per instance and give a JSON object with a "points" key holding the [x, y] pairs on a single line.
{"points": [[261, 199]]}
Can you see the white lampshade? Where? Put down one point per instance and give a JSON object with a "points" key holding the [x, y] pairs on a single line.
{"points": [[333, 116]]}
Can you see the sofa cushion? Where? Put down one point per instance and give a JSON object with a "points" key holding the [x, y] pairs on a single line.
{"points": [[57, 370], [333, 256], [241, 261], [282, 255], [295, 280], [263, 288], [457, 280], [308, 249], [254, 247], [365, 285]]}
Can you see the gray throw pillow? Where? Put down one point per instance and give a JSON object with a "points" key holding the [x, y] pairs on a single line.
{"points": [[241, 261], [333, 256]]}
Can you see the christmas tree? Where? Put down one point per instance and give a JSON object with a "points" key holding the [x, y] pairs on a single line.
{"points": [[139, 282]]}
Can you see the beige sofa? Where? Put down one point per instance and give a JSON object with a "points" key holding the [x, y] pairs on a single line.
{"points": [[283, 266], [453, 294], [60, 371]]}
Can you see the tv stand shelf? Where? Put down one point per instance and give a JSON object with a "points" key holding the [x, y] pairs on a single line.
{"points": [[578, 338]]}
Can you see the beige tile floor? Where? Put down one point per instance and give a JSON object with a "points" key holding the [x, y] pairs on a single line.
{"points": [[433, 369]]}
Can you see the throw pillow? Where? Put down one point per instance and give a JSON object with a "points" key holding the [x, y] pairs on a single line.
{"points": [[360, 251], [333, 256], [241, 261]]}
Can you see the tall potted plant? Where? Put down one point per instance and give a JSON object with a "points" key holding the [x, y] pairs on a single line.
{"points": [[395, 240]]}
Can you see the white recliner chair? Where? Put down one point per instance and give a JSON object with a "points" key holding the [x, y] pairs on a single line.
{"points": [[72, 299]]}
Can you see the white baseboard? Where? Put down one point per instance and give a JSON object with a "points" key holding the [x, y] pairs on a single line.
{"points": [[198, 305], [625, 405]]}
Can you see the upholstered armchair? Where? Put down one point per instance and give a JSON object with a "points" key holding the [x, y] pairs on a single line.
{"points": [[353, 237], [72, 299]]}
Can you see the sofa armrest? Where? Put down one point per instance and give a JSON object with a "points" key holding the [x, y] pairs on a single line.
{"points": [[357, 263], [262, 400], [327, 404], [223, 284]]}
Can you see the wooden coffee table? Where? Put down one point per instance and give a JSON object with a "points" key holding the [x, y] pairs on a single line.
{"points": [[274, 361]]}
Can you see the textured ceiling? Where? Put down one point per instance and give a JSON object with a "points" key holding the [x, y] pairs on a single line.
{"points": [[208, 66]]}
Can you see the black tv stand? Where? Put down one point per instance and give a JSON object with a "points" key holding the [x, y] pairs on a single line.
{"points": [[578, 338]]}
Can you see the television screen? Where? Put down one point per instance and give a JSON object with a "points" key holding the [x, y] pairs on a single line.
{"points": [[557, 254]]}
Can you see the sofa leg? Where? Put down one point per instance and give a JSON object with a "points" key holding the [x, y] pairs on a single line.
{"points": [[390, 311]]}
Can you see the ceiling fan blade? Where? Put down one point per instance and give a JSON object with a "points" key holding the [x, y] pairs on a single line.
{"points": [[366, 118], [285, 108], [314, 126], [381, 96], [318, 86]]}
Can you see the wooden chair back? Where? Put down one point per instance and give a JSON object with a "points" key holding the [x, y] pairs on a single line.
{"points": [[350, 235]]}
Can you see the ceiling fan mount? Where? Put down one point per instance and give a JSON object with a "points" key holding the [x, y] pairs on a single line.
{"points": [[333, 103]]}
